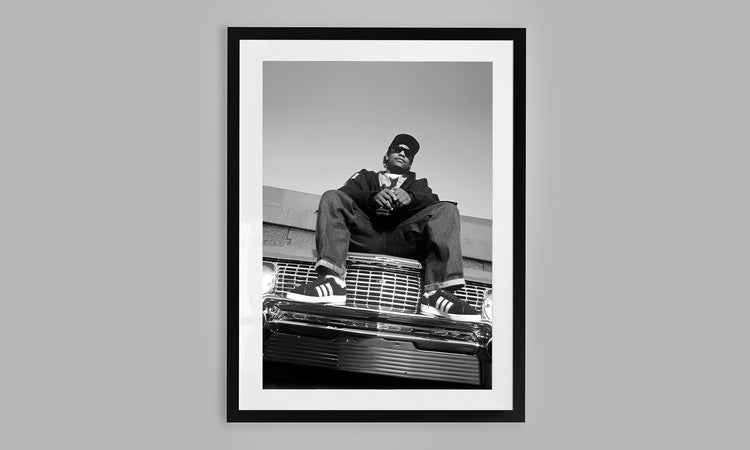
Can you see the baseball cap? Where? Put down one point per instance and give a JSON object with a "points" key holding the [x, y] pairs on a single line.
{"points": [[407, 143]]}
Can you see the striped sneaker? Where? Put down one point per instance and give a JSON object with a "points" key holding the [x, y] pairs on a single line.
{"points": [[326, 289], [443, 303]]}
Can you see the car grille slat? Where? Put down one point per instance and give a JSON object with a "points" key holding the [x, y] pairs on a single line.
{"points": [[473, 293], [373, 285]]}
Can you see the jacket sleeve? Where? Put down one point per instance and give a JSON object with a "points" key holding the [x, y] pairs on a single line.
{"points": [[360, 189], [421, 195]]}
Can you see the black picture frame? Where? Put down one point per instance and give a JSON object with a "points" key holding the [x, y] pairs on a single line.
{"points": [[515, 35]]}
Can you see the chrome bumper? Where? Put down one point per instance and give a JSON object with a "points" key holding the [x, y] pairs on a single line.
{"points": [[376, 342]]}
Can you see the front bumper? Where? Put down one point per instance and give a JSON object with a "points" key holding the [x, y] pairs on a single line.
{"points": [[376, 342]]}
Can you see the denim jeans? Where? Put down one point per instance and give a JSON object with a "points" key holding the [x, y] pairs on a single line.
{"points": [[432, 236]]}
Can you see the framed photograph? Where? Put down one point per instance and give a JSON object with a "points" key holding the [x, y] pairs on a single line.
{"points": [[376, 224]]}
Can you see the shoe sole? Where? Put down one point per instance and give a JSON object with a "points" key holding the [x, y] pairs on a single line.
{"points": [[330, 299], [434, 312]]}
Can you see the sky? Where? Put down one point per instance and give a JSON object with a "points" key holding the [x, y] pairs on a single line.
{"points": [[324, 121]]}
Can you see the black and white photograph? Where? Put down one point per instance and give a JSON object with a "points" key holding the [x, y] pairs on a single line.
{"points": [[358, 254], [376, 225]]}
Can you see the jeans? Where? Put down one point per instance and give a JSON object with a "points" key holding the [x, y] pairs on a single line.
{"points": [[432, 236]]}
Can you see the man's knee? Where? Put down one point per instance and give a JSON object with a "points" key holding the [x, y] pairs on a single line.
{"points": [[445, 209], [333, 197]]}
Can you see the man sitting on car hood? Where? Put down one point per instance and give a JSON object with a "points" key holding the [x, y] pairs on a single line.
{"points": [[393, 213]]}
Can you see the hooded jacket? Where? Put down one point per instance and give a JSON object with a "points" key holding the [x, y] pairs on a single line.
{"points": [[363, 186]]}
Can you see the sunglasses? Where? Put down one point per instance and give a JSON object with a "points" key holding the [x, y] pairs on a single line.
{"points": [[407, 151]]}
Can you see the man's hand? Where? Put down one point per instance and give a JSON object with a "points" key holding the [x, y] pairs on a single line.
{"points": [[388, 199], [400, 197], [384, 199]]}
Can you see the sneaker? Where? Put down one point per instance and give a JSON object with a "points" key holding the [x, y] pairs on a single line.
{"points": [[323, 290], [443, 303]]}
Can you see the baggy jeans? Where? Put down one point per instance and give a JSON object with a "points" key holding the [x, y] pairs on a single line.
{"points": [[432, 235]]}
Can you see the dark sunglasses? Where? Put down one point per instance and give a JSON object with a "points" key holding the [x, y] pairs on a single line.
{"points": [[406, 151]]}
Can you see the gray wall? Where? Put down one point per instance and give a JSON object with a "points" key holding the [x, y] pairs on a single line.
{"points": [[113, 234]]}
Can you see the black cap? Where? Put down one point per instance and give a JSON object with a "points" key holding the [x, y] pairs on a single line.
{"points": [[407, 143]]}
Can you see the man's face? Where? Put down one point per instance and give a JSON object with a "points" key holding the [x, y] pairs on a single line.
{"points": [[396, 160]]}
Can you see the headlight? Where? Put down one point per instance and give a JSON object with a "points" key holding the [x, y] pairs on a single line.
{"points": [[269, 277], [487, 305]]}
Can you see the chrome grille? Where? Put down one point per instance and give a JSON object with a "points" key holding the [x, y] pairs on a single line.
{"points": [[292, 273], [389, 290], [473, 293], [372, 285]]}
